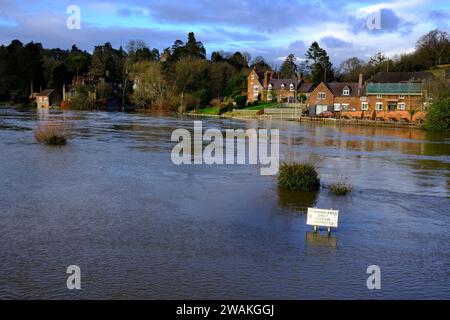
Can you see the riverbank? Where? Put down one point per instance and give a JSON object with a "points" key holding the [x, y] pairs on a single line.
{"points": [[330, 121]]}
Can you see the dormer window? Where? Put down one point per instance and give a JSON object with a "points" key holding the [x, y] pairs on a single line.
{"points": [[292, 87], [283, 86], [270, 86], [346, 92]]}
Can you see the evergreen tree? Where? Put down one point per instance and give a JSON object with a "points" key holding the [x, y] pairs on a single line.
{"points": [[321, 68], [289, 69]]}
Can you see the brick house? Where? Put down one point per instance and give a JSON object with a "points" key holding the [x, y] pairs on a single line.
{"points": [[396, 101], [263, 86], [48, 98], [397, 96], [388, 96], [337, 97]]}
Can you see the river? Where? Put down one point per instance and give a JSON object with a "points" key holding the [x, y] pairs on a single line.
{"points": [[138, 226]]}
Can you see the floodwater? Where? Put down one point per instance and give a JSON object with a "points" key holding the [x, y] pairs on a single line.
{"points": [[112, 202]]}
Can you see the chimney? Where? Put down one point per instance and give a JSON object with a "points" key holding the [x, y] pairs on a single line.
{"points": [[360, 81], [267, 78]]}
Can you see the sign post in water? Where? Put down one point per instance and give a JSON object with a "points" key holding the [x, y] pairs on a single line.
{"points": [[322, 218]]}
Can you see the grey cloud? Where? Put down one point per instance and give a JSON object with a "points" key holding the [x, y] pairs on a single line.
{"points": [[332, 42]]}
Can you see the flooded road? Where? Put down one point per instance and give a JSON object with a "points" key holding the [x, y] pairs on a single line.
{"points": [[112, 202]]}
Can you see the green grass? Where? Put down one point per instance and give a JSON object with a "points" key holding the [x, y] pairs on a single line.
{"points": [[340, 188], [212, 110], [262, 106]]}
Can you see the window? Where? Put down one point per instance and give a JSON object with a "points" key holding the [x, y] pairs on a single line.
{"points": [[253, 77], [379, 106], [346, 92], [321, 95], [321, 108], [283, 86], [363, 98], [364, 106], [337, 107], [345, 107], [401, 106], [292, 87], [401, 97], [379, 96], [256, 88], [270, 87]]}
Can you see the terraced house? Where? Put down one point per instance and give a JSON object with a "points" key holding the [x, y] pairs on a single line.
{"points": [[264, 86], [387, 96], [337, 97]]}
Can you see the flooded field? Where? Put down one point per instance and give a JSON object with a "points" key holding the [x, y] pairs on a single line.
{"points": [[112, 202]]}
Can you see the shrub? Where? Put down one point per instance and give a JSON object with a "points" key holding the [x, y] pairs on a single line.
{"points": [[66, 104], [226, 107], [241, 101], [438, 115], [50, 134], [340, 188], [215, 102], [298, 177], [190, 102]]}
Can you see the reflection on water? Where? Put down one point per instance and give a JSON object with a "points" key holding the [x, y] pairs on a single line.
{"points": [[317, 239], [296, 201], [112, 202]]}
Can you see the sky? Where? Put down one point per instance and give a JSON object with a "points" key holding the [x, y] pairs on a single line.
{"points": [[269, 28]]}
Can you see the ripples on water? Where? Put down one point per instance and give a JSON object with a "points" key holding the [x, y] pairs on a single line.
{"points": [[139, 227]]}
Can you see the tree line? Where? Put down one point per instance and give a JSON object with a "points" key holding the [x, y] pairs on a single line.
{"points": [[182, 74]]}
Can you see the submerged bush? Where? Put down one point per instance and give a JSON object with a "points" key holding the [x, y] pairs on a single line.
{"points": [[340, 188], [298, 177], [50, 134]]}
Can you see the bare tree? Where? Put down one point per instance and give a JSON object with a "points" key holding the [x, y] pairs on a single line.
{"points": [[436, 43]]}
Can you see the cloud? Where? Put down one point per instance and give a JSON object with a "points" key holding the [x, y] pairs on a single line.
{"points": [[270, 28], [258, 15], [332, 42], [441, 18], [388, 20]]}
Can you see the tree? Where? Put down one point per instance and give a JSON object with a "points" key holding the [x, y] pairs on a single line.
{"points": [[321, 67], [351, 68], [137, 50], [194, 49], [150, 86], [238, 60], [438, 115], [289, 69], [108, 62], [260, 65], [436, 44]]}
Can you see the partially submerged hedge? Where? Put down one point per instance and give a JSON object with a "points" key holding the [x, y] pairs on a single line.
{"points": [[298, 177]]}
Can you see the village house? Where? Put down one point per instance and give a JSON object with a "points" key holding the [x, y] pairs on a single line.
{"points": [[48, 98], [263, 86], [387, 96], [398, 96], [337, 97]]}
